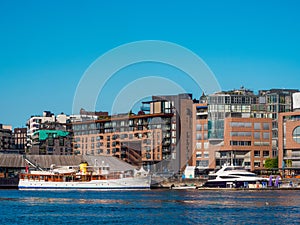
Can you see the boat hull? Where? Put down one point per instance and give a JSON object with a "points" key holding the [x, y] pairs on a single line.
{"points": [[113, 184], [231, 183], [184, 188]]}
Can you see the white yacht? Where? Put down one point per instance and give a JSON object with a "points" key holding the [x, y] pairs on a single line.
{"points": [[233, 177]]}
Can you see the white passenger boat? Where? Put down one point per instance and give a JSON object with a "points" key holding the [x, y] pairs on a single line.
{"points": [[233, 177], [85, 177]]}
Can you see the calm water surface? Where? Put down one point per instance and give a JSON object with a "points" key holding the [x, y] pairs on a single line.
{"points": [[150, 207]]}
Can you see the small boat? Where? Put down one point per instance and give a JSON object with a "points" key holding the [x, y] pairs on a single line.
{"points": [[234, 177], [182, 187], [85, 177]]}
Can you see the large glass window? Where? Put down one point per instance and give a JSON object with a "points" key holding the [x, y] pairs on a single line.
{"points": [[206, 154], [256, 126], [266, 126], [256, 153], [198, 136], [206, 145], [257, 135], [198, 127], [198, 154], [266, 153], [296, 134], [266, 135], [202, 163]]}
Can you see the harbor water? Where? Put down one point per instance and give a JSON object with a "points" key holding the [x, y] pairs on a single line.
{"points": [[150, 207]]}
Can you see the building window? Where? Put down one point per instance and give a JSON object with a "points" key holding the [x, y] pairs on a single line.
{"points": [[198, 136], [266, 153], [240, 143], [256, 126], [198, 145], [256, 153], [296, 134], [202, 163], [247, 164], [173, 140], [266, 126], [206, 155], [173, 133], [206, 144], [266, 135], [198, 127], [198, 154], [61, 142], [77, 139], [173, 126], [256, 135], [256, 164]]}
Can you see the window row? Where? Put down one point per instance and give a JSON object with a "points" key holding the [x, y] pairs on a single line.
{"points": [[265, 153], [240, 143], [202, 155]]}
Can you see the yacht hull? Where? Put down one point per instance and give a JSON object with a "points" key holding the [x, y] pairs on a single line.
{"points": [[113, 184]]}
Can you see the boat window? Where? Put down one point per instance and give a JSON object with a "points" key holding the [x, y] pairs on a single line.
{"points": [[228, 177], [234, 168], [212, 177], [245, 175]]}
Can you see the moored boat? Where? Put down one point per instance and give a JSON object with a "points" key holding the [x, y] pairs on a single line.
{"points": [[85, 177], [233, 177], [183, 187]]}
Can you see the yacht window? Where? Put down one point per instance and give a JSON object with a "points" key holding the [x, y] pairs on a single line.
{"points": [[245, 175], [228, 177], [212, 177]]}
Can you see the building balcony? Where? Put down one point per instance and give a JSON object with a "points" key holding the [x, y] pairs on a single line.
{"points": [[201, 113], [291, 158]]}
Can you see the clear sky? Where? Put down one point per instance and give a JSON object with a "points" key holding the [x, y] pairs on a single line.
{"points": [[46, 46]]}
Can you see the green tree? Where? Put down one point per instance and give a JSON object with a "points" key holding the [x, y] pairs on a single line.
{"points": [[271, 163]]}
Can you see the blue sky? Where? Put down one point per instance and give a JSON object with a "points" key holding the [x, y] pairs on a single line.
{"points": [[46, 46]]}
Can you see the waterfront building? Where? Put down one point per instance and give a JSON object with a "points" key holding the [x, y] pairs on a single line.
{"points": [[289, 138], [6, 138], [35, 122], [142, 139], [159, 137], [20, 139], [51, 142], [181, 129], [203, 156], [247, 142], [220, 107], [275, 101], [235, 103], [86, 116], [221, 110], [49, 134]]}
